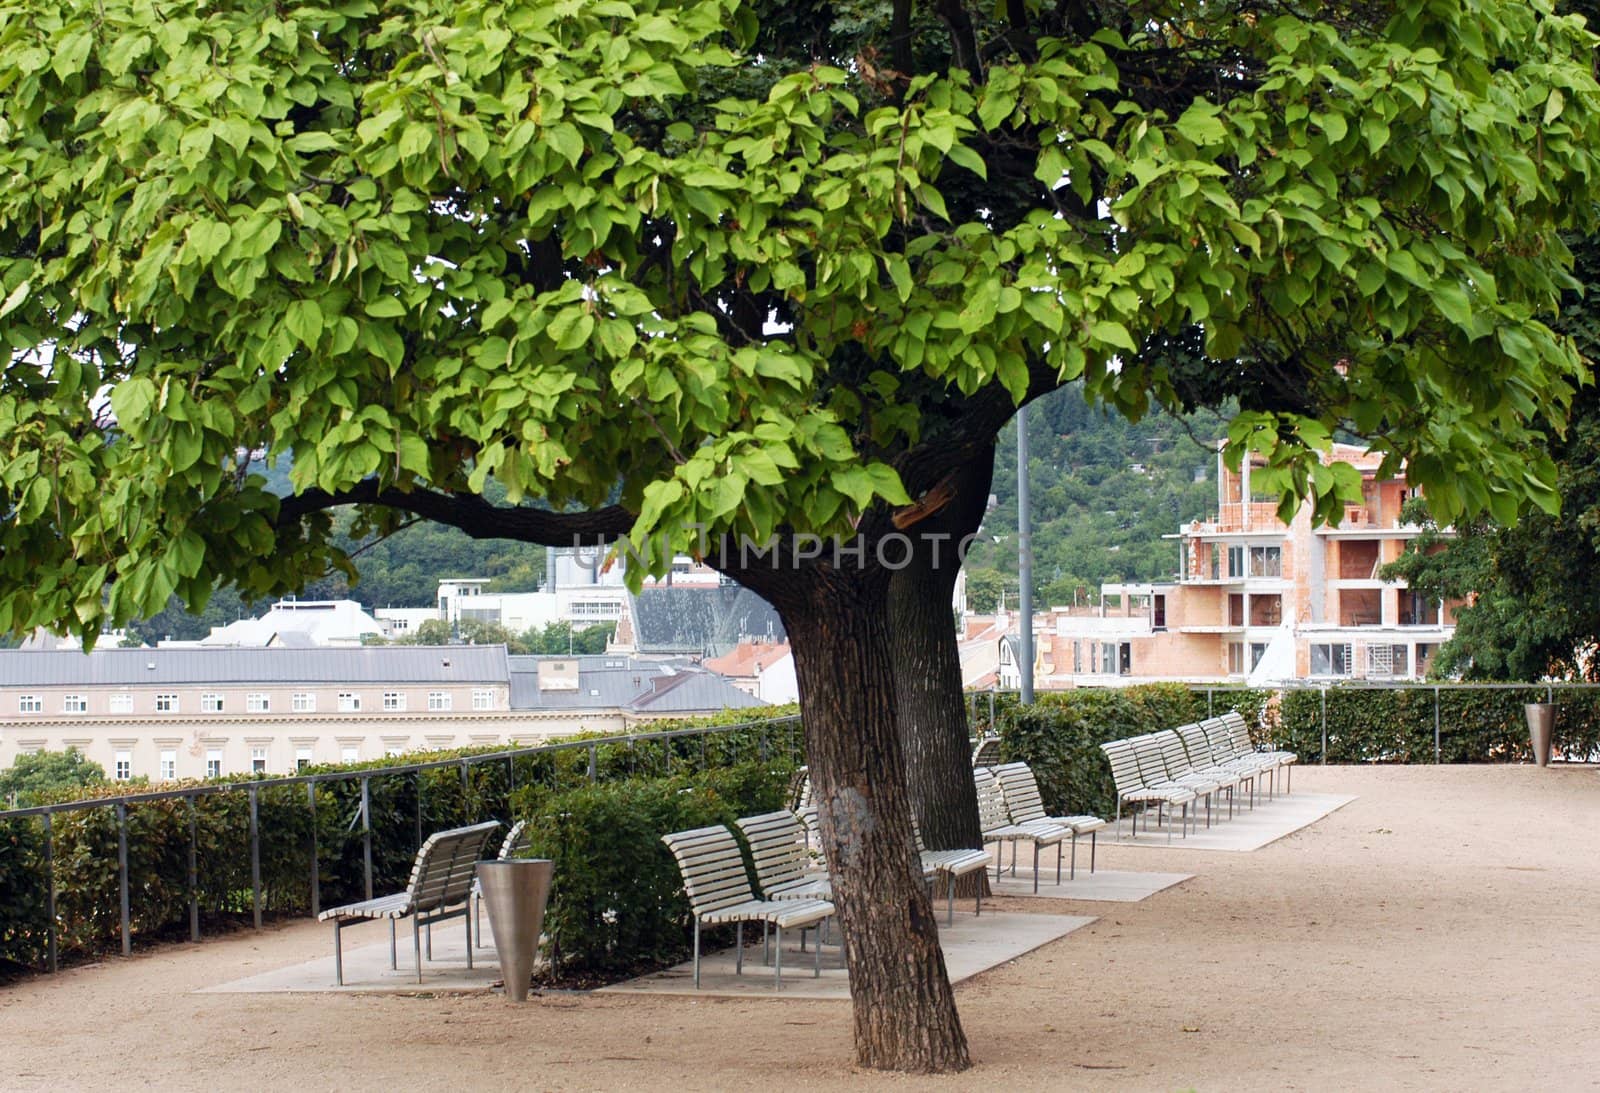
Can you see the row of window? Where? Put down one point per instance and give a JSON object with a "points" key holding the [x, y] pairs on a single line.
{"points": [[167, 766], [299, 702], [1243, 561]]}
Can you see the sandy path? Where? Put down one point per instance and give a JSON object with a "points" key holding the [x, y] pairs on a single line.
{"points": [[1436, 933]]}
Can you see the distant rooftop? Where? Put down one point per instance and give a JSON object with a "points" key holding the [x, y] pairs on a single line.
{"points": [[370, 664]]}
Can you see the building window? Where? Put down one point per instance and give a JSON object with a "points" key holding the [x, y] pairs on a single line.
{"points": [[258, 759], [302, 758], [74, 704], [1258, 649], [209, 703], [1266, 610], [1235, 609], [122, 768], [1417, 610], [438, 700], [1077, 658], [349, 702], [394, 700], [1158, 612], [122, 703], [213, 762], [257, 703], [349, 753], [482, 699], [303, 702], [169, 764], [1388, 660], [169, 703], [30, 704], [1236, 561], [1108, 658], [1236, 658], [1266, 561], [1330, 660]]}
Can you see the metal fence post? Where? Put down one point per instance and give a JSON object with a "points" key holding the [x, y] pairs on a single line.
{"points": [[594, 762], [1324, 726], [366, 830], [194, 874], [1436, 725], [50, 891], [511, 785], [1209, 696], [419, 811], [122, 868], [991, 710], [255, 860], [466, 794], [316, 872]]}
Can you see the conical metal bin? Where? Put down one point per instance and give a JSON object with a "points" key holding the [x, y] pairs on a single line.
{"points": [[515, 892], [1541, 721]]}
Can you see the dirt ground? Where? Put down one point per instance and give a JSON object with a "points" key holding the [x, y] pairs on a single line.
{"points": [[1437, 933]]}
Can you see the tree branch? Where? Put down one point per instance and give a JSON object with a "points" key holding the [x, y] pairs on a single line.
{"points": [[471, 514]]}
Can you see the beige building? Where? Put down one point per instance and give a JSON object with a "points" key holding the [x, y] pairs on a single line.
{"points": [[202, 712], [1257, 600]]}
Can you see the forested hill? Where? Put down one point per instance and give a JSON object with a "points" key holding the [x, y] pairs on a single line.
{"points": [[1104, 492]]}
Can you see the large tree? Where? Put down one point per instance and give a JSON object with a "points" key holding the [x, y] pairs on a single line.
{"points": [[699, 272]]}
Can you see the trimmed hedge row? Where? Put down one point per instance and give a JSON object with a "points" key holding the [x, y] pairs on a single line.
{"points": [[404, 807], [1396, 725]]}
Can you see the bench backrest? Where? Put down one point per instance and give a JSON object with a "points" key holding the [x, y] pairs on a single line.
{"points": [[1147, 754], [987, 753], [777, 847], [713, 870], [1216, 733], [517, 840], [1021, 791], [992, 812], [1173, 754], [1194, 742], [446, 865], [1124, 767], [1238, 733]]}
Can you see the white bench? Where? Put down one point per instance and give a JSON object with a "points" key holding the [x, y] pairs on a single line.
{"points": [[1021, 791], [441, 878], [718, 888]]}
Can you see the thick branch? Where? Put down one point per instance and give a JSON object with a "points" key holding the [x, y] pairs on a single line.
{"points": [[473, 515]]}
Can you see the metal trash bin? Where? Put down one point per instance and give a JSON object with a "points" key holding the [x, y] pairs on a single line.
{"points": [[1541, 720], [515, 892]]}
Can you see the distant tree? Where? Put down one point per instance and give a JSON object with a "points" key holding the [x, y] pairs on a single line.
{"points": [[429, 632], [984, 587], [45, 775], [560, 638]]}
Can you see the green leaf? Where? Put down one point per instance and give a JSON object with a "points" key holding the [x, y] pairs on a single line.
{"points": [[1199, 124], [385, 307]]}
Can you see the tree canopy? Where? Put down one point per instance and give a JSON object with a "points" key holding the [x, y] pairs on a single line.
{"points": [[41, 776], [421, 246]]}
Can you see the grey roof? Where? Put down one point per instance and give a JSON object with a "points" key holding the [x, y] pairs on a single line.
{"points": [[628, 683], [368, 664], [703, 621]]}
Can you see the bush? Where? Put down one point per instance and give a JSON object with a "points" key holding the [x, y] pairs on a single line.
{"points": [[1059, 736], [617, 905]]}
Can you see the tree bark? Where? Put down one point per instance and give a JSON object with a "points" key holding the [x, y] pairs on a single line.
{"points": [[905, 1014], [930, 705]]}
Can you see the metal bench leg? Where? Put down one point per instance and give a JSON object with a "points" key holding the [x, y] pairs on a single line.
{"points": [[429, 931], [467, 919], [816, 972], [738, 948], [1074, 874], [950, 900], [697, 953], [777, 965], [1094, 841], [338, 955], [416, 945], [394, 960]]}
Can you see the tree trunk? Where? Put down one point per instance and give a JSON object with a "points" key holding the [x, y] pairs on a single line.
{"points": [[931, 707], [905, 1014]]}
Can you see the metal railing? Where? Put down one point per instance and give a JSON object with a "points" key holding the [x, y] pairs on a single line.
{"points": [[784, 729], [977, 701]]}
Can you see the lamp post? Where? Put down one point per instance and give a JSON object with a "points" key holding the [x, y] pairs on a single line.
{"points": [[1024, 562]]}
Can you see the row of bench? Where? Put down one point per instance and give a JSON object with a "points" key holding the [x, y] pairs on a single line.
{"points": [[1177, 767]]}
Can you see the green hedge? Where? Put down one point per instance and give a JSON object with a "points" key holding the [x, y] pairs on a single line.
{"points": [[1060, 734], [1396, 725], [617, 905], [405, 806]]}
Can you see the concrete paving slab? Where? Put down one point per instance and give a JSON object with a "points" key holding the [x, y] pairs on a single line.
{"points": [[1249, 829], [973, 944], [367, 971], [1101, 886]]}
